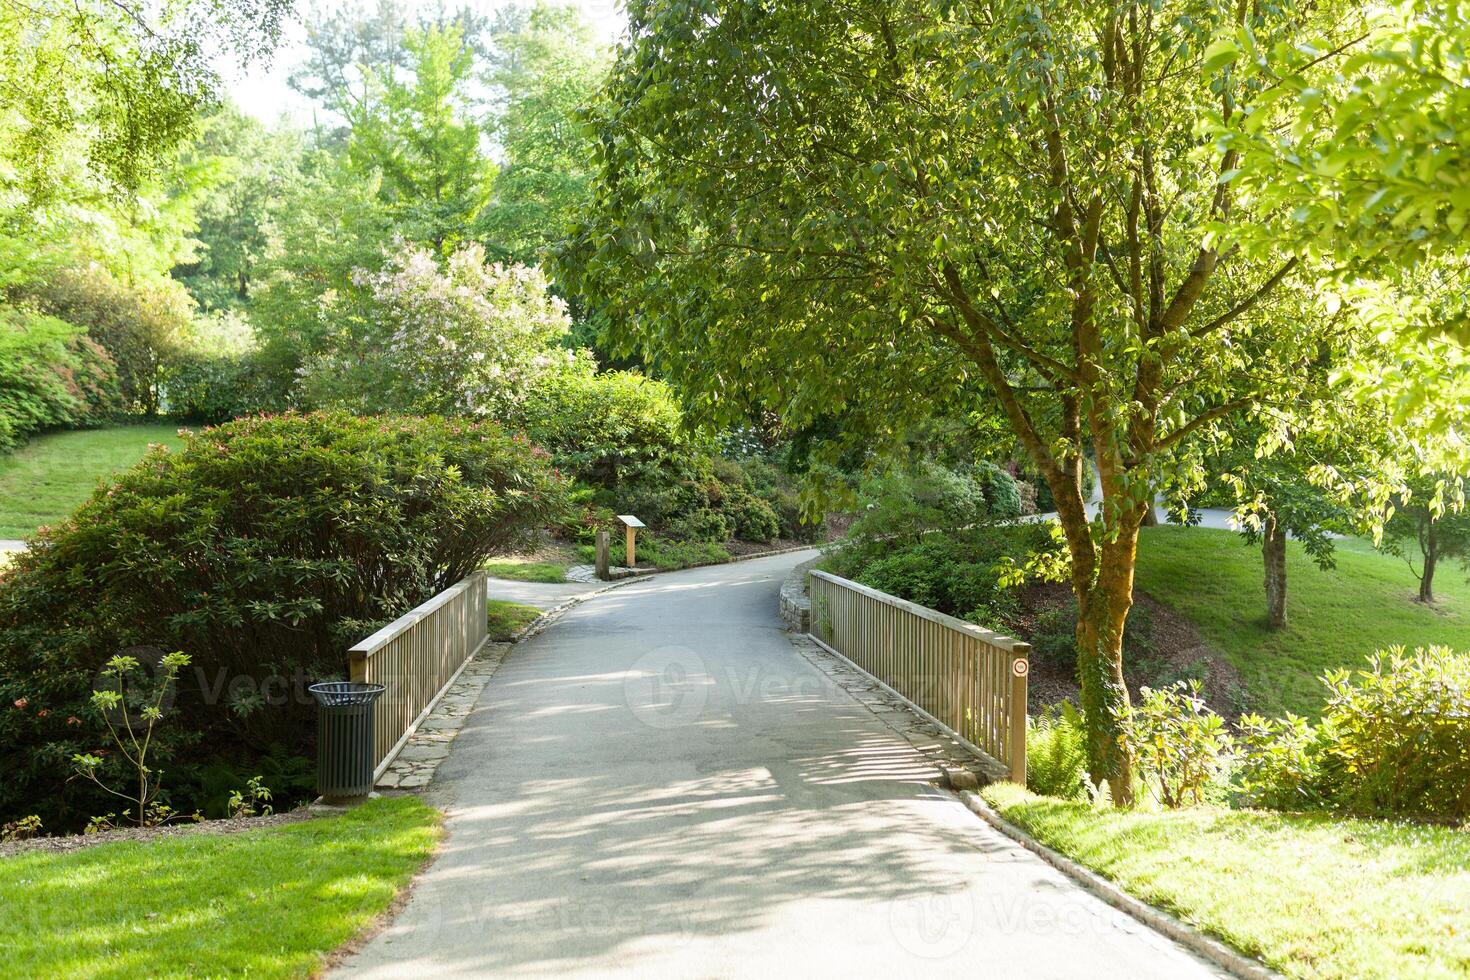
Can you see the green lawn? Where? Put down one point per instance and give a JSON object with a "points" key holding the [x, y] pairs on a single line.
{"points": [[1310, 895], [528, 571], [270, 903], [1335, 618], [509, 618], [46, 479]]}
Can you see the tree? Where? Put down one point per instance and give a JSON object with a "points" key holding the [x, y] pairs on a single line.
{"points": [[418, 138], [245, 173], [112, 86], [1425, 531], [544, 67], [865, 208]]}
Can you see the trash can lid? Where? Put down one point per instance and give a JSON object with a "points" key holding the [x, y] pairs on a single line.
{"points": [[338, 693]]}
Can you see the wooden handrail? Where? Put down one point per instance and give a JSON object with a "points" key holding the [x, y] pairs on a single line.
{"points": [[970, 681], [416, 658]]}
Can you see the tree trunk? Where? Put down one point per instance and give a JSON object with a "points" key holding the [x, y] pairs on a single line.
{"points": [[1431, 559], [1273, 551], [1102, 613]]}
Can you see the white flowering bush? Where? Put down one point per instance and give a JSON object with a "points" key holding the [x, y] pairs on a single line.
{"points": [[457, 337]]}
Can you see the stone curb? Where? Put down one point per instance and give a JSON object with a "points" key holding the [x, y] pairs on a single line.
{"points": [[1234, 963]]}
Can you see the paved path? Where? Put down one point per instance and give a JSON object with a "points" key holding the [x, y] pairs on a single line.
{"points": [[542, 595], [660, 785]]}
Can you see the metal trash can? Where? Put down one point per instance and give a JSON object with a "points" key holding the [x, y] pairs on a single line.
{"points": [[344, 732]]}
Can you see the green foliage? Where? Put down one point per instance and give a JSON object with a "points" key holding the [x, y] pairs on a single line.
{"points": [[51, 376], [704, 524], [544, 69], [909, 503], [1056, 753], [1278, 765], [1002, 499], [214, 388], [98, 94], [1181, 745], [955, 573], [414, 132], [140, 326], [265, 547], [467, 338], [130, 705], [252, 801], [1396, 736]]}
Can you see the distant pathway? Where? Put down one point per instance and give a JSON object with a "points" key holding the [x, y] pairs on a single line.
{"points": [[660, 785]]}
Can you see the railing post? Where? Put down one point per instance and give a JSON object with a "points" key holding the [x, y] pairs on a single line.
{"points": [[1020, 667], [357, 667]]}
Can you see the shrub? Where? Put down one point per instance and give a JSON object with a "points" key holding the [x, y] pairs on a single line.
{"points": [[51, 376], [1002, 498], [954, 573], [1279, 763], [263, 549], [140, 326], [704, 524], [909, 504], [1182, 746], [1396, 736], [751, 517], [1056, 753], [213, 388], [461, 338]]}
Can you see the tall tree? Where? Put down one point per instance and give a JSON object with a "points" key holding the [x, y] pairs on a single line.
{"points": [[1424, 530], [417, 134], [544, 67], [865, 207]]}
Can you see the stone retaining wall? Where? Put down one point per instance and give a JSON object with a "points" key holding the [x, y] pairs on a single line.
{"points": [[796, 606]]}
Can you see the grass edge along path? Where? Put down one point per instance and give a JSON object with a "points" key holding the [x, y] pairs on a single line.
{"points": [[274, 902], [1313, 896]]}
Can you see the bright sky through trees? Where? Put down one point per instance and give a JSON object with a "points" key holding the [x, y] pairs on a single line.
{"points": [[261, 89]]}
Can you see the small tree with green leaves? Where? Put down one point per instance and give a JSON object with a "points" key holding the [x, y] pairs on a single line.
{"points": [[131, 711]]}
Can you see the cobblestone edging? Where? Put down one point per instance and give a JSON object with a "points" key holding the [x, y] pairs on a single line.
{"points": [[796, 605], [955, 766], [418, 760]]}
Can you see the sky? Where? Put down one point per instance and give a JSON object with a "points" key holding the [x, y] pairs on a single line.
{"points": [[261, 89]]}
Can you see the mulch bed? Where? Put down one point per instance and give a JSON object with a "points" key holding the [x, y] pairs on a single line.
{"points": [[1178, 650], [73, 842]]}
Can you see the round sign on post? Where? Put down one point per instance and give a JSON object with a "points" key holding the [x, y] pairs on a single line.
{"points": [[1020, 667]]}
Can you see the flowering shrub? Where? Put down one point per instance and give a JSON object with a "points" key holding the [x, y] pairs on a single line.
{"points": [[51, 375], [265, 548], [465, 338]]}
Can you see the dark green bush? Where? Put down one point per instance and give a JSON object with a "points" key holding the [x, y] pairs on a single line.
{"points": [[1002, 498], [954, 573], [215, 388], [263, 549], [751, 517], [704, 524], [1056, 753]]}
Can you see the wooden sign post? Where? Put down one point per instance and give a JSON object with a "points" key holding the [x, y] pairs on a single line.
{"points": [[631, 525], [603, 565]]}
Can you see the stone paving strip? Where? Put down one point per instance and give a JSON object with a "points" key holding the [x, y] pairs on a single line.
{"points": [[429, 746]]}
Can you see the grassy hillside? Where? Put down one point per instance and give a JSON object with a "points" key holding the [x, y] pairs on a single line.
{"points": [[45, 480], [1336, 618]]}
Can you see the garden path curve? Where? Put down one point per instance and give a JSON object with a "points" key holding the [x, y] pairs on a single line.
{"points": [[660, 784]]}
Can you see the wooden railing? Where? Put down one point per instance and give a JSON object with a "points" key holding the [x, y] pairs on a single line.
{"points": [[416, 657], [967, 679]]}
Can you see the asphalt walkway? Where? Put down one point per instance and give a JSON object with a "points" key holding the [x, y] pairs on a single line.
{"points": [[661, 785]]}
